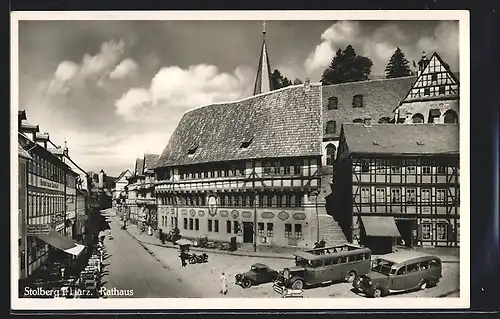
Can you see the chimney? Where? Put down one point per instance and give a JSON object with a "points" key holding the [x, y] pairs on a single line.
{"points": [[307, 84], [367, 122], [65, 150], [422, 64]]}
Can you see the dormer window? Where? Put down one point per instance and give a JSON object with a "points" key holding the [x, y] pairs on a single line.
{"points": [[246, 142], [357, 100], [333, 103], [192, 149]]}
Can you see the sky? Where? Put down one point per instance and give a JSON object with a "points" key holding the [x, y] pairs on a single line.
{"points": [[115, 90]]}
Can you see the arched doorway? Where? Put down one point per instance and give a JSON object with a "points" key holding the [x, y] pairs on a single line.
{"points": [[450, 117], [417, 118]]}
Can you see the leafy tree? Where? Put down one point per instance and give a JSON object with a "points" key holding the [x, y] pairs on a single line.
{"points": [[347, 66], [398, 65], [297, 81], [279, 81]]}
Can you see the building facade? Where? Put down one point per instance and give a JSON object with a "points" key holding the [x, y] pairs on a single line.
{"points": [[250, 173], [119, 189], [399, 191], [146, 199], [23, 160]]}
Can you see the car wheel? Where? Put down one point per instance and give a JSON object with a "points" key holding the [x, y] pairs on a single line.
{"points": [[246, 283], [298, 284], [377, 293], [351, 275], [423, 285]]}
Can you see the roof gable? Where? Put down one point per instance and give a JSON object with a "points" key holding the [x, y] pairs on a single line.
{"points": [[139, 166], [281, 123], [126, 173], [402, 138], [436, 81]]}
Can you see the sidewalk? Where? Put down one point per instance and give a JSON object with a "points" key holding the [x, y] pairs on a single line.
{"points": [[447, 255]]}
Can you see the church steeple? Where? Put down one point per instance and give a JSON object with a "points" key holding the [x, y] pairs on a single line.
{"points": [[263, 80]]}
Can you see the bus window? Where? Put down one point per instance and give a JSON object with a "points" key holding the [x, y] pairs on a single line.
{"points": [[435, 263], [341, 260], [412, 267], [424, 265], [335, 261], [328, 262], [366, 256], [317, 263]]}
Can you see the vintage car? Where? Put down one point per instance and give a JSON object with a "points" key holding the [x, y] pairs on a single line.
{"points": [[324, 265], [399, 272], [258, 274]]}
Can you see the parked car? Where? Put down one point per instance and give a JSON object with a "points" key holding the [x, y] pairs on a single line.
{"points": [[258, 274], [400, 272], [324, 266], [110, 236]]}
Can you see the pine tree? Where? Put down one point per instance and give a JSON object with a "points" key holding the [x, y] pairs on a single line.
{"points": [[398, 65], [347, 66], [279, 81]]}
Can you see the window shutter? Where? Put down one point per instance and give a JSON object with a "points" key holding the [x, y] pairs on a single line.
{"points": [[450, 232], [419, 232]]}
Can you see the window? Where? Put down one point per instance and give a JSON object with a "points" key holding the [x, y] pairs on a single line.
{"points": [[384, 120], [441, 195], [410, 167], [434, 77], [411, 195], [297, 168], [427, 91], [401, 271], [267, 168], [396, 195], [365, 194], [236, 227], [279, 200], [333, 103], [442, 90], [426, 170], [442, 231], [190, 224], [441, 170], [185, 223], [426, 231], [395, 167], [298, 200], [228, 226], [412, 267], [261, 229], [380, 165], [435, 263], [288, 230], [171, 222], [331, 127], [358, 121], [365, 166], [210, 225], [286, 168], [357, 100], [216, 226], [270, 229], [298, 231], [425, 195], [380, 193]]}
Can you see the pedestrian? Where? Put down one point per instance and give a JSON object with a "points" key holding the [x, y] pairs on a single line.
{"points": [[223, 283], [183, 259]]}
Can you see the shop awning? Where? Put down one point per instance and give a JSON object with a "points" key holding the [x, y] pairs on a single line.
{"points": [[62, 242], [380, 226]]}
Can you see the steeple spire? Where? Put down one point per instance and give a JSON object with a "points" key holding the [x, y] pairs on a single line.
{"points": [[263, 79]]}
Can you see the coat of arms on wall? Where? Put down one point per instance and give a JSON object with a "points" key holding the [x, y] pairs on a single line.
{"points": [[212, 205]]}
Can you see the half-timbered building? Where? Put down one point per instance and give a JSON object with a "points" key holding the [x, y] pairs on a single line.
{"points": [[132, 210], [402, 190], [245, 169]]}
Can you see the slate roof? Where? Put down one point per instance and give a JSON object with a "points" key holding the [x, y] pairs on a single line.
{"points": [[281, 123], [402, 138], [150, 161], [56, 151], [29, 127], [22, 152], [380, 97], [139, 166]]}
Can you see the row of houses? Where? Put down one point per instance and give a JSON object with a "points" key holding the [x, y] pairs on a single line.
{"points": [[374, 162], [54, 202]]}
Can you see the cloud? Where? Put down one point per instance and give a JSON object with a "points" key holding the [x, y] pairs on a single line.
{"points": [[174, 90], [126, 68], [380, 43], [93, 70]]}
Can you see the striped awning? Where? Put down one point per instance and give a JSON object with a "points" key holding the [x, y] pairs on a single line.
{"points": [[380, 226]]}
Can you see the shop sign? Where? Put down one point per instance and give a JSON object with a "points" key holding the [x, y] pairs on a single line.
{"points": [[59, 226], [48, 184], [37, 229]]}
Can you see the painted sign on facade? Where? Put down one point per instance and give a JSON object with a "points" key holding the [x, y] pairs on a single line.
{"points": [[37, 230], [45, 183]]}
